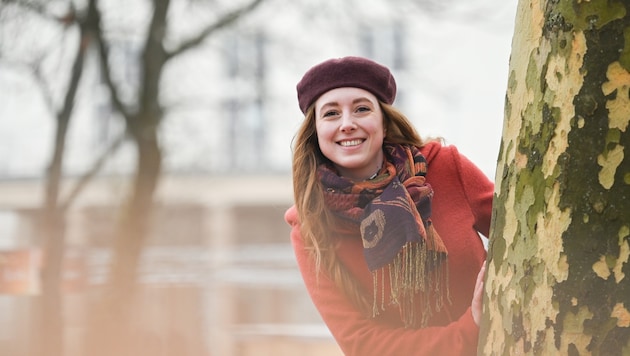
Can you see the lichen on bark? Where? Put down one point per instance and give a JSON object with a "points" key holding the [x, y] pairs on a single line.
{"points": [[560, 243]]}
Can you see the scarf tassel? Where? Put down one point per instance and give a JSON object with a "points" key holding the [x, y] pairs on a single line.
{"points": [[417, 269]]}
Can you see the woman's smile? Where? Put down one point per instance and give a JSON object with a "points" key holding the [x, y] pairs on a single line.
{"points": [[351, 143]]}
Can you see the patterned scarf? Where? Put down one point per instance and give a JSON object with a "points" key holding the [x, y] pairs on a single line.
{"points": [[392, 214]]}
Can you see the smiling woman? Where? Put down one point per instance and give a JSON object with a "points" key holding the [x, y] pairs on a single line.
{"points": [[349, 125], [391, 270]]}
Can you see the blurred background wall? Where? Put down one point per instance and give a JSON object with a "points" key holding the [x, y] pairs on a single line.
{"points": [[216, 274]]}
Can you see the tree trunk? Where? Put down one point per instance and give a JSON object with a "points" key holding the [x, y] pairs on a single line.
{"points": [[558, 257], [111, 326], [52, 221], [50, 323]]}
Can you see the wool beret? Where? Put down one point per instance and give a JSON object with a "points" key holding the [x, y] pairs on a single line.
{"points": [[356, 72]]}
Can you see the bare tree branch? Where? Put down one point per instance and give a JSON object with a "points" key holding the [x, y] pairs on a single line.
{"points": [[46, 92], [221, 23], [35, 7], [94, 18], [63, 121], [41, 9], [96, 167]]}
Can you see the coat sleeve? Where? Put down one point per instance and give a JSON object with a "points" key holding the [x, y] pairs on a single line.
{"points": [[478, 188], [358, 335]]}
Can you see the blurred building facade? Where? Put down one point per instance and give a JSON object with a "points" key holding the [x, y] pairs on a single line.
{"points": [[218, 276], [230, 104]]}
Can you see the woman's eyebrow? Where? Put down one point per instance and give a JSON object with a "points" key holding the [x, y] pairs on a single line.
{"points": [[361, 99], [332, 103]]}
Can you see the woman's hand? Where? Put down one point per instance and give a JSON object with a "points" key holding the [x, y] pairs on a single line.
{"points": [[477, 301]]}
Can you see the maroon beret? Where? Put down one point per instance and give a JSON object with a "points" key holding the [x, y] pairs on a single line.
{"points": [[356, 72]]}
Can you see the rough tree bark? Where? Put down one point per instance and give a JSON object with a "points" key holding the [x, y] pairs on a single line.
{"points": [[558, 277]]}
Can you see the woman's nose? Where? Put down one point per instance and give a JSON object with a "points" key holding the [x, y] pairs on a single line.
{"points": [[347, 122]]}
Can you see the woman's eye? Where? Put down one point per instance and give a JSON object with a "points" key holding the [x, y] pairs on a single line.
{"points": [[363, 109], [330, 113]]}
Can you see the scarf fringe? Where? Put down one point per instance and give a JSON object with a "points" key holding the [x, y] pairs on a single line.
{"points": [[416, 270]]}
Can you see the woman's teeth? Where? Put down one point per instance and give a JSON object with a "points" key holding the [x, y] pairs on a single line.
{"points": [[350, 143]]}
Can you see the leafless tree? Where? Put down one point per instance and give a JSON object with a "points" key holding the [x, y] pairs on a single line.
{"points": [[83, 30]]}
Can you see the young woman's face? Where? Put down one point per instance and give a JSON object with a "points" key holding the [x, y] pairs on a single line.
{"points": [[349, 125]]}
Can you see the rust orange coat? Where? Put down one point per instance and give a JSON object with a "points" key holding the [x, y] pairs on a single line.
{"points": [[462, 208]]}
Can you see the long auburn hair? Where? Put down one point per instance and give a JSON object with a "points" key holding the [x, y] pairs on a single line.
{"points": [[314, 216]]}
